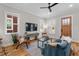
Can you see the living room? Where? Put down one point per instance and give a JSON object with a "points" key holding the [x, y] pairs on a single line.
{"points": [[29, 19]]}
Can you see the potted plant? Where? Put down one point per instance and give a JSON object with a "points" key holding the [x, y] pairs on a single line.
{"points": [[14, 38]]}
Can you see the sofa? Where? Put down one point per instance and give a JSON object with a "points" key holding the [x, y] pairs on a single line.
{"points": [[63, 50]]}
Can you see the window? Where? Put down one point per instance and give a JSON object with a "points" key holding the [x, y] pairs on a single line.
{"points": [[66, 21], [11, 23]]}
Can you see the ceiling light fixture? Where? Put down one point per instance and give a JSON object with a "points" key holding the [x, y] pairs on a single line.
{"points": [[70, 5]]}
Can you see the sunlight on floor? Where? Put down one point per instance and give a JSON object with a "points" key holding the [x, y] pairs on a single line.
{"points": [[34, 50]]}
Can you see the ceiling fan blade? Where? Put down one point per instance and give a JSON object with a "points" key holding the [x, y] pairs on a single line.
{"points": [[50, 10], [54, 4], [43, 7]]}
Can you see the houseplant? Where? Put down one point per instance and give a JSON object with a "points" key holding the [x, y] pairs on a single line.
{"points": [[14, 38]]}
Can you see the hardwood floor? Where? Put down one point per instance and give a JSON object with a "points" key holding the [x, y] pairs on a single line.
{"points": [[20, 51], [12, 51], [75, 49]]}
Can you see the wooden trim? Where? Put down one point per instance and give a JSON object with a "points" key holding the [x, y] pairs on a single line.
{"points": [[70, 17]]}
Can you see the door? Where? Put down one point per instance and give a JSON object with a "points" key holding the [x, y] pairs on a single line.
{"points": [[66, 24]]}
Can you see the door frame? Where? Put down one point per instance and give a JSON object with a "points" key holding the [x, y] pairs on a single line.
{"points": [[71, 24]]}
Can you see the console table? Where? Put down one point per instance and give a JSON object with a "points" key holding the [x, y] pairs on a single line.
{"points": [[29, 35]]}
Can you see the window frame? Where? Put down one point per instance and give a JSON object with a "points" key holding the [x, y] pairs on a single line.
{"points": [[12, 14]]}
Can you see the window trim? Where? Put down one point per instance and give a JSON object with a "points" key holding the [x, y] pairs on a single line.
{"points": [[13, 14]]}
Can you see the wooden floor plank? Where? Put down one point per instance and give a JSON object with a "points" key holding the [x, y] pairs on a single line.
{"points": [[12, 51]]}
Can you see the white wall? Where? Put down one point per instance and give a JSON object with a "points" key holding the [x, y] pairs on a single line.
{"points": [[75, 25], [50, 24], [23, 18]]}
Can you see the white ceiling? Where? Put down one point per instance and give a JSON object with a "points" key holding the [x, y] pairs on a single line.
{"points": [[34, 8]]}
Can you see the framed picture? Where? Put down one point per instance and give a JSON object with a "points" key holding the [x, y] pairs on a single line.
{"points": [[9, 24], [31, 27]]}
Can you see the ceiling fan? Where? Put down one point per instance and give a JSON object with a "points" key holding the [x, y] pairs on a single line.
{"points": [[49, 6]]}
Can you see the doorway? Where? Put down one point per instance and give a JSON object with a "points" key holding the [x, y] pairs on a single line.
{"points": [[66, 26]]}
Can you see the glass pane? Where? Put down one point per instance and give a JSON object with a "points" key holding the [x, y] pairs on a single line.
{"points": [[9, 23], [15, 28], [14, 19], [66, 21]]}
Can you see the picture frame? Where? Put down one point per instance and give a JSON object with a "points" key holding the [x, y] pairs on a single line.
{"points": [[9, 24]]}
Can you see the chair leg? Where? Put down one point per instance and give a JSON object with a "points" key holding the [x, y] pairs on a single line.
{"points": [[18, 46], [27, 45]]}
